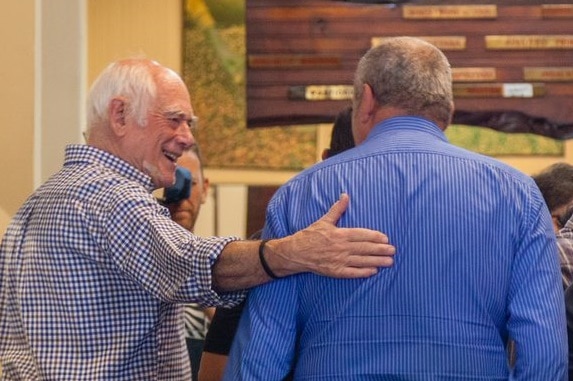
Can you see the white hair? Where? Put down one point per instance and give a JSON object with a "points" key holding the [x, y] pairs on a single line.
{"points": [[132, 80]]}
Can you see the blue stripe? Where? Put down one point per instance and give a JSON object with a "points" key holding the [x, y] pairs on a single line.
{"points": [[476, 264]]}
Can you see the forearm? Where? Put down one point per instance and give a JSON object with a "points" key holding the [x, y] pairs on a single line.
{"points": [[238, 267]]}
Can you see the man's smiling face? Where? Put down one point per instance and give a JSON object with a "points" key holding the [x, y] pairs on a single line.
{"points": [[155, 147]]}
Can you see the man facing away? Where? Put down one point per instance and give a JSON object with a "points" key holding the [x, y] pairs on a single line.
{"points": [[475, 262], [93, 271]]}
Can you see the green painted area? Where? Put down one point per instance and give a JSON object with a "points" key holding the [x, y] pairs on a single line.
{"points": [[495, 143], [227, 12]]}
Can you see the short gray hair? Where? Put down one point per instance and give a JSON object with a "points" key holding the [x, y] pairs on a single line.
{"points": [[410, 74]]}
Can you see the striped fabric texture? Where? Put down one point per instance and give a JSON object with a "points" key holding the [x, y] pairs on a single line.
{"points": [[476, 264], [196, 322], [565, 246]]}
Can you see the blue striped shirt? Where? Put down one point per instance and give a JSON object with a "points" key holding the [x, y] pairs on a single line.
{"points": [[476, 264], [91, 273]]}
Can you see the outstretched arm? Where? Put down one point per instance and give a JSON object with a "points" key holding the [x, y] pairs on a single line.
{"points": [[321, 248]]}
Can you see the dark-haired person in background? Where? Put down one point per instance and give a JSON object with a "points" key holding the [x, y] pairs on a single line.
{"points": [[556, 185], [341, 137], [185, 212]]}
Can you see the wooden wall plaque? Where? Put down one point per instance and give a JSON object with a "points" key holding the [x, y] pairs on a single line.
{"points": [[474, 74], [321, 92], [557, 11], [548, 74], [529, 42], [512, 57], [445, 43], [499, 90], [449, 12], [299, 61]]}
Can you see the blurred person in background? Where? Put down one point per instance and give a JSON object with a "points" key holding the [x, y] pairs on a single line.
{"points": [[184, 210], [556, 185]]}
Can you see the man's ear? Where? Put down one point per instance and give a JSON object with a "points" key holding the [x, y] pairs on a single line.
{"points": [[206, 185], [453, 108], [367, 105], [117, 116], [365, 113]]}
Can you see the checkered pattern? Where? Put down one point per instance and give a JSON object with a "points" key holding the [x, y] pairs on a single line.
{"points": [[92, 271], [565, 246]]}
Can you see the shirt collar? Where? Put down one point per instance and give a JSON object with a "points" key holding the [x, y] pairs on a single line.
{"points": [[407, 123], [85, 154]]}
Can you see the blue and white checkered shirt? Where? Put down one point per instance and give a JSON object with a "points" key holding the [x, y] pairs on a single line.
{"points": [[92, 271]]}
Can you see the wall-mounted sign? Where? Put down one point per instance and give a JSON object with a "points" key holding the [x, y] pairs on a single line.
{"points": [[441, 42], [529, 42], [554, 11], [306, 61], [499, 90], [449, 12], [525, 68], [548, 74], [321, 92], [474, 74], [474, 90]]}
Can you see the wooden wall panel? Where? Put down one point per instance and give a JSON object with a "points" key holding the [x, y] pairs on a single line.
{"points": [[343, 31]]}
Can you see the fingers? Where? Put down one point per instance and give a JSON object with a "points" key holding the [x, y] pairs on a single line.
{"points": [[372, 256], [365, 261], [336, 210], [345, 259], [357, 267], [363, 269], [362, 235], [338, 252], [356, 272]]}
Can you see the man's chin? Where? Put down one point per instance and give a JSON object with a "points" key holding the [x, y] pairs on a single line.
{"points": [[161, 179], [164, 181]]}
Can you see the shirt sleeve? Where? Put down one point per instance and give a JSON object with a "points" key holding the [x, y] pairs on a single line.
{"points": [[264, 346], [156, 253], [565, 247], [536, 303]]}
